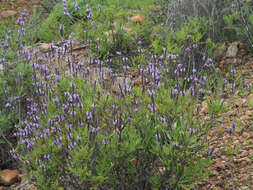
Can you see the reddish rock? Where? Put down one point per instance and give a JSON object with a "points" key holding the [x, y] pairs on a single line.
{"points": [[137, 18], [8, 177]]}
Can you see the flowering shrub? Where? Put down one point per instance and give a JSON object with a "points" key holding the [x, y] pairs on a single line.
{"points": [[81, 135], [85, 138]]}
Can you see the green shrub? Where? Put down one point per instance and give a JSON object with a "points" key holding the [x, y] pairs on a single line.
{"points": [[93, 140]]}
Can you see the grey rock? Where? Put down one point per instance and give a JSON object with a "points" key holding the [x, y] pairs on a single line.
{"points": [[8, 13], [232, 50]]}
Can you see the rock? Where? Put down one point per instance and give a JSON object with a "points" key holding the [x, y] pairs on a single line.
{"points": [[204, 107], [137, 18], [219, 166], [250, 98], [240, 102], [8, 177], [8, 13], [129, 30], [245, 135], [44, 47], [244, 154], [234, 61], [232, 50], [241, 45], [219, 53], [242, 53], [133, 161]]}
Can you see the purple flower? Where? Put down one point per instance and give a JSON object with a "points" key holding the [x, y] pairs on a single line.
{"points": [[55, 100], [26, 162], [210, 153], [104, 142], [162, 119], [99, 7], [78, 138], [8, 105], [115, 122], [233, 71], [94, 130], [192, 131], [89, 115], [152, 107], [69, 126], [61, 29], [77, 6], [175, 143], [43, 167], [151, 92], [230, 129], [158, 136]]}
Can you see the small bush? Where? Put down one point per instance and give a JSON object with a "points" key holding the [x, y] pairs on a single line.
{"points": [[83, 136]]}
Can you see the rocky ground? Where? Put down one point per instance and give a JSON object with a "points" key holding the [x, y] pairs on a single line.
{"points": [[231, 144]]}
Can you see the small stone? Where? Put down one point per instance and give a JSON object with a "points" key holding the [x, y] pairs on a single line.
{"points": [[245, 135], [204, 107], [44, 47], [243, 163], [9, 177], [129, 30], [219, 165], [232, 50], [242, 53], [218, 54], [241, 45], [133, 161], [244, 154], [137, 18], [8, 13], [240, 102], [250, 98]]}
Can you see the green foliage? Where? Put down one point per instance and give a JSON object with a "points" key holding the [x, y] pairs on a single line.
{"points": [[216, 106], [15, 85], [120, 144], [239, 22]]}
